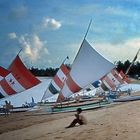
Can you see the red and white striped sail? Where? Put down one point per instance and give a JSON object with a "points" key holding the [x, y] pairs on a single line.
{"points": [[113, 80], [18, 80], [88, 66], [3, 72], [57, 83], [124, 77]]}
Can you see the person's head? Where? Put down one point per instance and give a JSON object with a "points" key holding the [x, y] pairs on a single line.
{"points": [[6, 102], [79, 110]]}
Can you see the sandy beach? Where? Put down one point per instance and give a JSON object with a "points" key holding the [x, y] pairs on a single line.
{"points": [[116, 122]]}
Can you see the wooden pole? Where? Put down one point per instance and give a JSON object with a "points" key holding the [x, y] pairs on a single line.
{"points": [[84, 38], [19, 51], [132, 62]]}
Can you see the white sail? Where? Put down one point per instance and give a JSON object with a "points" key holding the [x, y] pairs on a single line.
{"points": [[88, 66]]}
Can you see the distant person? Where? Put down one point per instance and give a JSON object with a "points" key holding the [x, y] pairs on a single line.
{"points": [[7, 107], [129, 91], [80, 119]]}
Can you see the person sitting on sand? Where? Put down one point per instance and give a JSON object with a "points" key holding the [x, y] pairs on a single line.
{"points": [[80, 119]]}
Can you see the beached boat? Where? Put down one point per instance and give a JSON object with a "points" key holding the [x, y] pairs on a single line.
{"points": [[127, 98], [20, 109], [88, 105]]}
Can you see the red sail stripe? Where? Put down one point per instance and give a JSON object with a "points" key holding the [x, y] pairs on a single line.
{"points": [[22, 75], [110, 83], [58, 81], [64, 69], [74, 87], [6, 87], [116, 75], [60, 98], [3, 72], [124, 76]]}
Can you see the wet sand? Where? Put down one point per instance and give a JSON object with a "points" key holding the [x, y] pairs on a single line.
{"points": [[117, 122]]}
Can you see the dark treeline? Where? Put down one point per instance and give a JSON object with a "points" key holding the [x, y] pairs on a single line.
{"points": [[134, 70], [50, 72]]}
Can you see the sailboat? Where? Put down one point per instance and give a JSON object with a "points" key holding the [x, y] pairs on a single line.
{"points": [[87, 67], [113, 80], [17, 80], [57, 82], [129, 97]]}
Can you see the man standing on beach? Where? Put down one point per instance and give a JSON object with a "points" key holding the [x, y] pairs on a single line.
{"points": [[80, 119]]}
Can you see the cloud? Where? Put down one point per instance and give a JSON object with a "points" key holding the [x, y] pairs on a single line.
{"points": [[12, 35], [119, 52], [33, 47], [51, 23], [116, 11], [98, 9]]}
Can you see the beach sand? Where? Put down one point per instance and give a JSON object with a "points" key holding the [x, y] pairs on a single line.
{"points": [[116, 122]]}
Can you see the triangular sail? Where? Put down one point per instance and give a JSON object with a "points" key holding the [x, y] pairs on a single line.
{"points": [[57, 83], [18, 80], [112, 80], [88, 66]]}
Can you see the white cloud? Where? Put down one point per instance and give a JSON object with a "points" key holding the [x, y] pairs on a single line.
{"points": [[97, 9], [51, 23], [33, 47], [12, 35], [124, 51], [116, 11]]}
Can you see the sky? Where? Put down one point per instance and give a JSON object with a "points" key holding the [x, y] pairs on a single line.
{"points": [[49, 30]]}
